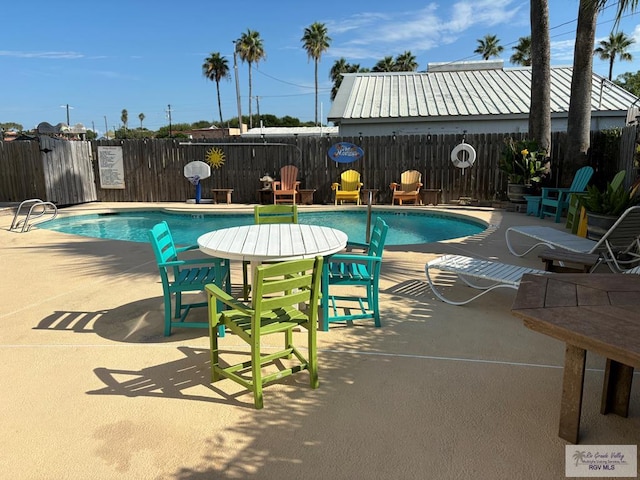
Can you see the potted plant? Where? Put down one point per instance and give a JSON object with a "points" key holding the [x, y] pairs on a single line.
{"points": [[604, 206], [525, 165]]}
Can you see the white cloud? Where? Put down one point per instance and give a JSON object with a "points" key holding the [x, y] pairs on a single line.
{"points": [[51, 55]]}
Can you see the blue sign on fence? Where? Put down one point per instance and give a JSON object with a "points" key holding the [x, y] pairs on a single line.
{"points": [[345, 152]]}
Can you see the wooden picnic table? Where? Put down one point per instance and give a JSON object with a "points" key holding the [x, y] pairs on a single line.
{"points": [[595, 312]]}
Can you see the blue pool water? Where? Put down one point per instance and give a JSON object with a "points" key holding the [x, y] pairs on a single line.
{"points": [[404, 228]]}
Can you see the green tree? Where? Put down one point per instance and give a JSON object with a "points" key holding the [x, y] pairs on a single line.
{"points": [[141, 118], [339, 67], [316, 41], [488, 47], [615, 46], [579, 116], [540, 61], [215, 68], [387, 64], [406, 62], [11, 126], [522, 52], [250, 49], [124, 117], [630, 82]]}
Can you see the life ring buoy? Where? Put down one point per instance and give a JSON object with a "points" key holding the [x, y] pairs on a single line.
{"points": [[463, 147]]}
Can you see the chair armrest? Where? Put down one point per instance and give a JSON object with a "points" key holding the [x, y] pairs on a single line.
{"points": [[339, 257], [357, 245], [275, 184], [215, 291], [191, 261], [186, 249], [394, 185], [335, 186]]}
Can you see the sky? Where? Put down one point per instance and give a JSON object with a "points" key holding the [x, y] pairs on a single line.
{"points": [[94, 60]]}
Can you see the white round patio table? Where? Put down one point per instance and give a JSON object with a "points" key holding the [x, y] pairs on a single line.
{"points": [[272, 242]]}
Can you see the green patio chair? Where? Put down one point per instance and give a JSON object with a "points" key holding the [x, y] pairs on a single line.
{"points": [[180, 276], [285, 297], [555, 201], [263, 214], [354, 269]]}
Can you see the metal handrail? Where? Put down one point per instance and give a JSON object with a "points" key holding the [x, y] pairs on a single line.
{"points": [[48, 208]]}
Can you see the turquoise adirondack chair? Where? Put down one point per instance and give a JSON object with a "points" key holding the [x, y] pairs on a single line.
{"points": [[555, 201], [354, 269], [179, 276]]}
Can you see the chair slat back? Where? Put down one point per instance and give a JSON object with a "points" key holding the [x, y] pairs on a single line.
{"points": [[581, 179], [288, 177], [350, 180], [378, 238], [410, 180], [617, 180], [624, 232], [263, 214], [286, 285], [162, 243]]}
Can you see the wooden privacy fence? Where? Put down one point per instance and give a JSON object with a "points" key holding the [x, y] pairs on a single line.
{"points": [[67, 172]]}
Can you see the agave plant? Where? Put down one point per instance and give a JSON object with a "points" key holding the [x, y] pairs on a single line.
{"points": [[610, 201]]}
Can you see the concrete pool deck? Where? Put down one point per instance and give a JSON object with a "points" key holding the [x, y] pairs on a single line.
{"points": [[91, 389]]}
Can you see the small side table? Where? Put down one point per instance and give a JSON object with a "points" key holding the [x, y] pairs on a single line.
{"points": [[364, 194], [265, 196], [431, 196], [223, 194], [583, 262], [305, 197], [533, 204]]}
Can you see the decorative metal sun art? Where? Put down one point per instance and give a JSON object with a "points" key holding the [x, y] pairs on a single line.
{"points": [[215, 157]]}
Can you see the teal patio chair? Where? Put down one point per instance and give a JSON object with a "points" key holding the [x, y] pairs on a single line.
{"points": [[179, 276], [354, 269], [285, 297], [555, 201]]}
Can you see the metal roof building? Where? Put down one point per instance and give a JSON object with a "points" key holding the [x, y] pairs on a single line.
{"points": [[477, 97]]}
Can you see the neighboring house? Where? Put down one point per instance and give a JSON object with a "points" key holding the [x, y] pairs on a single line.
{"points": [[211, 132], [476, 97], [291, 131]]}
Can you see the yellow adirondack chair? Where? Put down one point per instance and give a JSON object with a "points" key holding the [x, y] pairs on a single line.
{"points": [[408, 190], [285, 190], [349, 187]]}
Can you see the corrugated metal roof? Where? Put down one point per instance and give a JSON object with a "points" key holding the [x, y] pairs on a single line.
{"points": [[466, 92]]}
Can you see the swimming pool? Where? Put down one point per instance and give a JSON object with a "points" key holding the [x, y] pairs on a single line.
{"points": [[405, 228]]}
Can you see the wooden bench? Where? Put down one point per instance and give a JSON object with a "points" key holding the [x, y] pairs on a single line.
{"points": [[220, 195]]}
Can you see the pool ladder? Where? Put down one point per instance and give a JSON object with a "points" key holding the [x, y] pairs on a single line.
{"points": [[38, 209]]}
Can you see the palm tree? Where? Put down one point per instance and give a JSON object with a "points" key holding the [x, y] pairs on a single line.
{"points": [[387, 64], [615, 46], [251, 50], [579, 116], [540, 61], [339, 67], [215, 68], [406, 62], [124, 117], [141, 117], [316, 41], [488, 47], [522, 52]]}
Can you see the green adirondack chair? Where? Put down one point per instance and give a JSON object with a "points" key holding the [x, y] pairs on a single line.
{"points": [[180, 276], [279, 290]]}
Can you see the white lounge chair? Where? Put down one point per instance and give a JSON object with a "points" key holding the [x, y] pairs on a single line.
{"points": [[619, 247], [490, 275]]}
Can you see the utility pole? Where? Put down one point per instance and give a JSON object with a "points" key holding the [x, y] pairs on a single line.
{"points": [[106, 128], [169, 114], [235, 71], [67, 107]]}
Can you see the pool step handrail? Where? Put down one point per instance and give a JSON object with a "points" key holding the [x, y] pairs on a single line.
{"points": [[38, 209]]}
